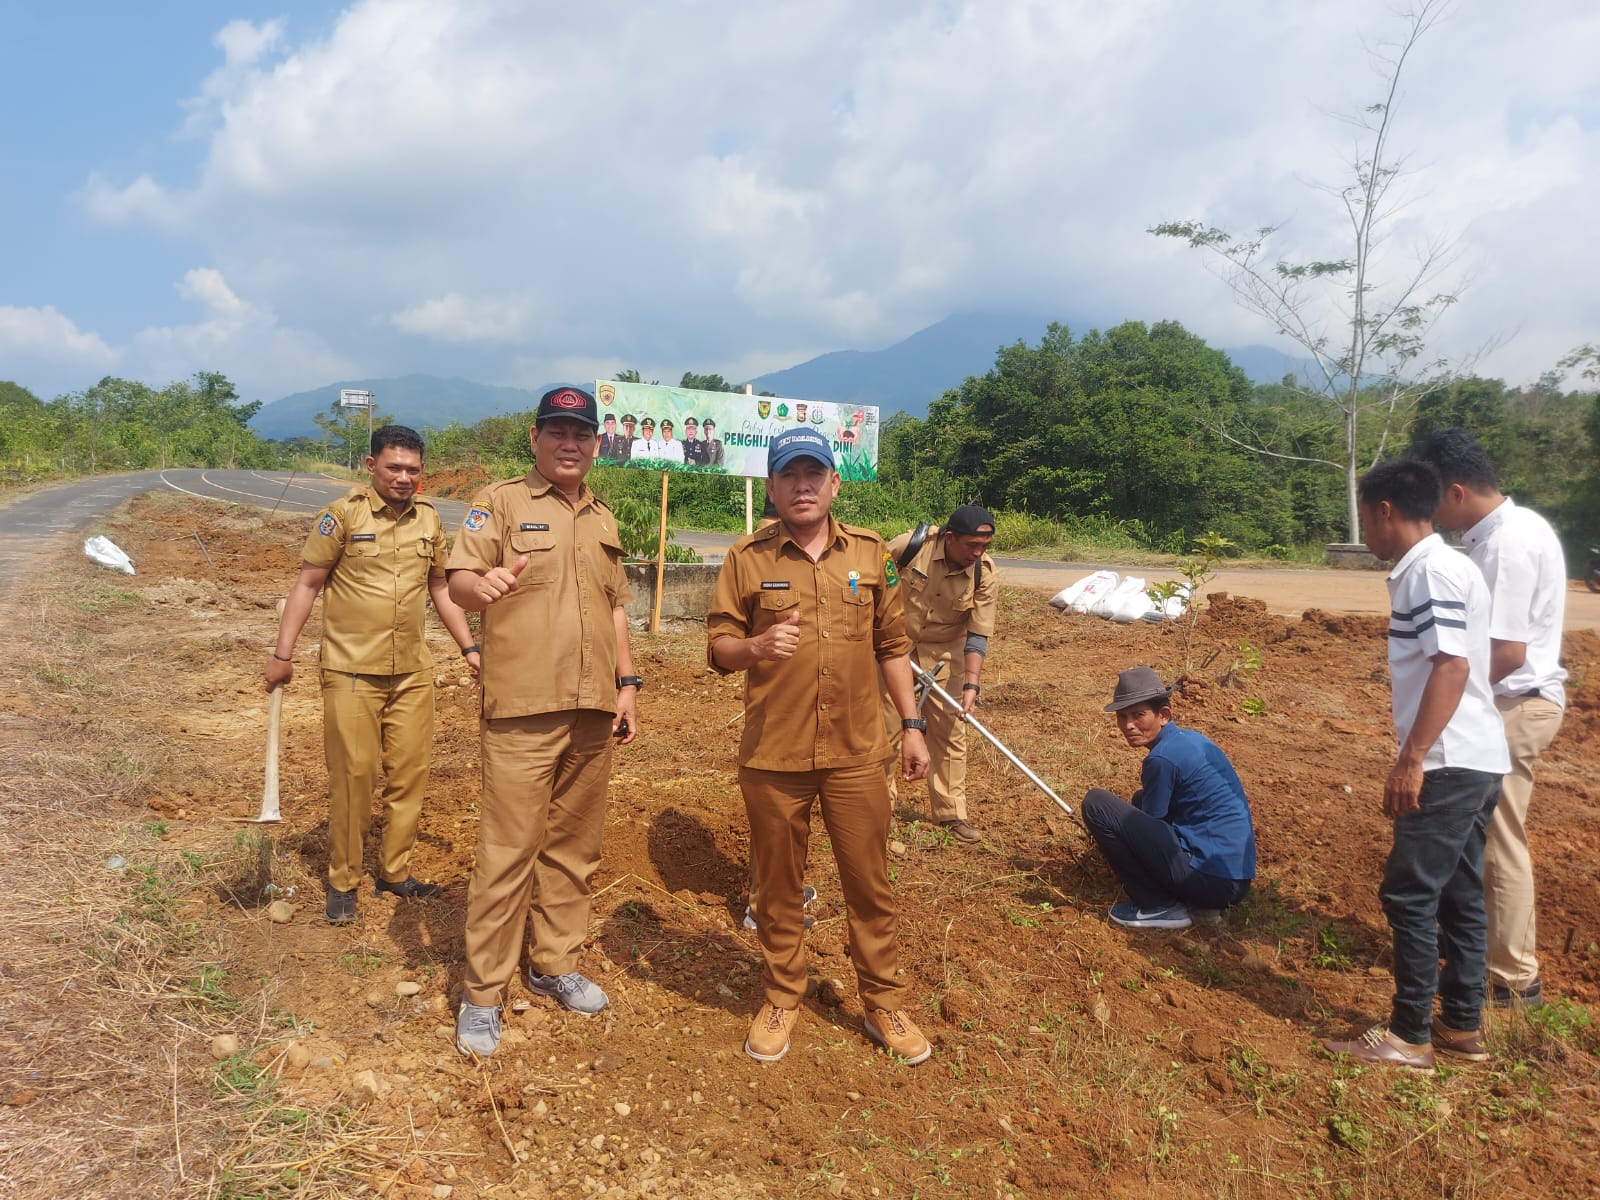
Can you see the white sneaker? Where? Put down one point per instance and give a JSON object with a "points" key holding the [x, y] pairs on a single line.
{"points": [[477, 1029], [809, 894]]}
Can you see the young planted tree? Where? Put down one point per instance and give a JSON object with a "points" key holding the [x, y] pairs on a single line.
{"points": [[1363, 320]]}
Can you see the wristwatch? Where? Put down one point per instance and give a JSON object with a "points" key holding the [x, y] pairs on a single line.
{"points": [[634, 681], [920, 724]]}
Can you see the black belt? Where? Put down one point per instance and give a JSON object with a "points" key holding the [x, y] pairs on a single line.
{"points": [[1532, 694]]}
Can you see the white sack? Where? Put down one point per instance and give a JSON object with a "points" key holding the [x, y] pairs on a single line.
{"points": [[1128, 587], [108, 554], [1093, 590], [1130, 604]]}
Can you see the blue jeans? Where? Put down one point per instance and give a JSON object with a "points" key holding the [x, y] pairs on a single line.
{"points": [[1432, 893], [1149, 861]]}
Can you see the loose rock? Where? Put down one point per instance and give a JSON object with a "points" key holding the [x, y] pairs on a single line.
{"points": [[280, 912], [224, 1045], [897, 848], [407, 987], [364, 1087]]}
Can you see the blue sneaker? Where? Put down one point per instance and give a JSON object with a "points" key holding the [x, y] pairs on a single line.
{"points": [[1173, 916], [572, 991]]}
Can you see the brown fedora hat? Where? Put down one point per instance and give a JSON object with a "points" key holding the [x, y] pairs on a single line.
{"points": [[1136, 685]]}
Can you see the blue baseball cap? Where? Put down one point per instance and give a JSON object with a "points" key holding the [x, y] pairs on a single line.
{"points": [[798, 443]]}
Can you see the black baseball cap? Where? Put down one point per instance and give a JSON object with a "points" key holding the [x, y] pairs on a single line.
{"points": [[573, 403], [970, 519]]}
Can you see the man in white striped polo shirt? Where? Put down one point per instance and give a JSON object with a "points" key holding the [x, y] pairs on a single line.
{"points": [[1521, 560], [1445, 781]]}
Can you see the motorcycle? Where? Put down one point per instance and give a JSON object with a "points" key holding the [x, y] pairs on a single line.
{"points": [[1593, 577]]}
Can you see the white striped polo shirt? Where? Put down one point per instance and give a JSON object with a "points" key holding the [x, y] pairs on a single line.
{"points": [[1439, 604]]}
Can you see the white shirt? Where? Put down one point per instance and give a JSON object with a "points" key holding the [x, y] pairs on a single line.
{"points": [[1521, 560], [1439, 604]]}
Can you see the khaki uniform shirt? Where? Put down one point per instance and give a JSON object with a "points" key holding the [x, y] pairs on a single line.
{"points": [[375, 601], [942, 605], [550, 645], [819, 709]]}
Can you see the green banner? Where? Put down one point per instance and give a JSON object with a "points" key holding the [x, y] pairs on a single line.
{"points": [[724, 433]]}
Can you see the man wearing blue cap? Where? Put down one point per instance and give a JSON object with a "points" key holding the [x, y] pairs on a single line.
{"points": [[811, 610]]}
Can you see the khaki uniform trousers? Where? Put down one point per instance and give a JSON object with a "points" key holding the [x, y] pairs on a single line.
{"points": [[1531, 724], [855, 811], [946, 736], [541, 819], [370, 721]]}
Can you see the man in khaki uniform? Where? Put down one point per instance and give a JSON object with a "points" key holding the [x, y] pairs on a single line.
{"points": [[951, 602], [810, 609], [380, 554], [540, 558]]}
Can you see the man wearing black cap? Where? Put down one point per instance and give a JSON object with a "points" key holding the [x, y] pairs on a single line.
{"points": [[951, 601], [811, 610], [1185, 848], [539, 556]]}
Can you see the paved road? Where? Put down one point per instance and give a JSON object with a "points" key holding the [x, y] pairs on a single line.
{"points": [[69, 507]]}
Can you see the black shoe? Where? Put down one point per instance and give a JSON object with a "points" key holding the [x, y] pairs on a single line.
{"points": [[408, 888], [341, 908], [1501, 996]]}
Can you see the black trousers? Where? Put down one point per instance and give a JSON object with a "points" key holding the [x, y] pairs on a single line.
{"points": [[1149, 861]]}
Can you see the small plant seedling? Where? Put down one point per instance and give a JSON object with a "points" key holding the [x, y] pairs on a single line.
{"points": [[1333, 949]]}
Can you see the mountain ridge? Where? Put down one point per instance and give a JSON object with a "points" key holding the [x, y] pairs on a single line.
{"points": [[906, 376]]}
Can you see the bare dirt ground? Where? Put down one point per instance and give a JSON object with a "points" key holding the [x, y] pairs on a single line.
{"points": [[1071, 1057]]}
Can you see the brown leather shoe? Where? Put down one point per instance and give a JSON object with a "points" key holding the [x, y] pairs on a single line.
{"points": [[898, 1034], [768, 1039], [1378, 1047], [1465, 1044], [962, 832]]}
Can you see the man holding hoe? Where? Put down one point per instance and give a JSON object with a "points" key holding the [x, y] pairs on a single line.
{"points": [[377, 556]]}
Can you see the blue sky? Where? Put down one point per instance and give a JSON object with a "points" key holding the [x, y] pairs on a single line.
{"points": [[295, 193]]}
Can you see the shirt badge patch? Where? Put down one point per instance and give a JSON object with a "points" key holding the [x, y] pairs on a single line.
{"points": [[477, 518], [891, 574], [774, 585], [327, 525], [363, 537], [530, 527]]}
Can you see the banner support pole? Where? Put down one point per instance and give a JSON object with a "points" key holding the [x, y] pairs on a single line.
{"points": [[661, 558]]}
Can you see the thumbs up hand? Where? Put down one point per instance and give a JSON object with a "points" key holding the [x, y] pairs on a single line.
{"points": [[780, 641], [497, 582]]}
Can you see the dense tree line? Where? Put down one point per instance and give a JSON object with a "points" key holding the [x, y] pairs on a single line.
{"points": [[121, 425], [1134, 431], [1139, 426]]}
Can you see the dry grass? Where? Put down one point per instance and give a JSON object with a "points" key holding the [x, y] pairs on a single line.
{"points": [[111, 985]]}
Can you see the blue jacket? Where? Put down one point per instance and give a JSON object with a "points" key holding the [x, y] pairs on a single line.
{"points": [[1190, 784]]}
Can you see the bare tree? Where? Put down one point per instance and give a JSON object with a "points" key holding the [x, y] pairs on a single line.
{"points": [[1366, 335]]}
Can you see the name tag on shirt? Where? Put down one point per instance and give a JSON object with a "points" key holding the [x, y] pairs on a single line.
{"points": [[528, 528], [363, 537], [774, 585]]}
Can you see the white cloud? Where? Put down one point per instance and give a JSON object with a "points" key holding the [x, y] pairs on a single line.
{"points": [[453, 317], [615, 183], [45, 334]]}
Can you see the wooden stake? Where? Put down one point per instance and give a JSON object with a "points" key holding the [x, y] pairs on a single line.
{"points": [[661, 558]]}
